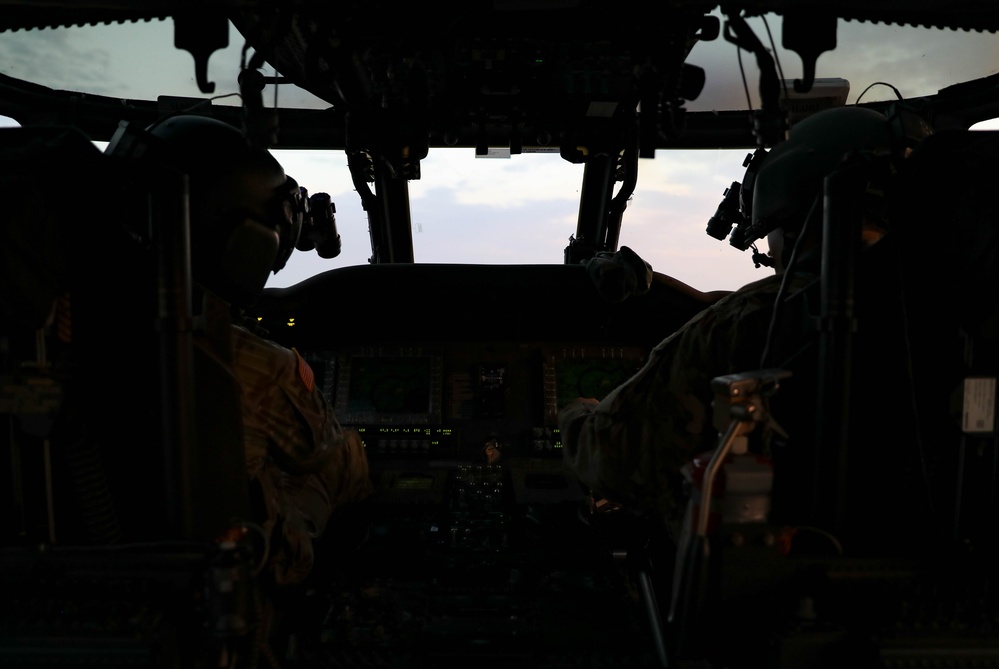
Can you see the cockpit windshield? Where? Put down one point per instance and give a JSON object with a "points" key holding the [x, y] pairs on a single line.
{"points": [[523, 208]]}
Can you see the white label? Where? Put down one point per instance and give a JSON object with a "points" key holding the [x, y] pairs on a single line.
{"points": [[979, 404], [495, 152]]}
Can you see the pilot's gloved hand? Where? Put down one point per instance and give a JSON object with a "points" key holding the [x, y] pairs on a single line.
{"points": [[619, 275]]}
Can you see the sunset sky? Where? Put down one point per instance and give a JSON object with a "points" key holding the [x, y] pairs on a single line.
{"points": [[521, 209]]}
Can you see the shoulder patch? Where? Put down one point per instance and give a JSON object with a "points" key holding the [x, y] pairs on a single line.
{"points": [[305, 374]]}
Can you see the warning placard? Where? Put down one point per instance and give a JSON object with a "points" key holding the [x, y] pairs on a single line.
{"points": [[979, 404]]}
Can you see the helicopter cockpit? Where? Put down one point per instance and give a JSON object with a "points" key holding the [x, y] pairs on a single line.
{"points": [[126, 538]]}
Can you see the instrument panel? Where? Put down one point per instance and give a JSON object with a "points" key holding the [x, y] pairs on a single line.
{"points": [[453, 377], [454, 374], [464, 399]]}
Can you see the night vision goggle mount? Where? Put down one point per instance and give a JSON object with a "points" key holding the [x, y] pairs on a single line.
{"points": [[733, 218]]}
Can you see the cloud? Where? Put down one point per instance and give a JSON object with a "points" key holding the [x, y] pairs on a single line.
{"points": [[58, 59], [524, 210], [916, 60], [498, 182]]}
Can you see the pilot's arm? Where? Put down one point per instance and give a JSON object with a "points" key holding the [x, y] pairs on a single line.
{"points": [[629, 447], [306, 464]]}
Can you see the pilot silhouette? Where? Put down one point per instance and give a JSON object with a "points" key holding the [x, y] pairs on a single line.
{"points": [[630, 446], [245, 218]]}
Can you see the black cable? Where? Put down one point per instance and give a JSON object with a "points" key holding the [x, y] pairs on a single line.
{"points": [[911, 379], [898, 93], [773, 50], [742, 72], [785, 285], [768, 122]]}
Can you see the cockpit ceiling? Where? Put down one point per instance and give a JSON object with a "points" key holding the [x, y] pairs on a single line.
{"points": [[508, 73], [956, 14]]}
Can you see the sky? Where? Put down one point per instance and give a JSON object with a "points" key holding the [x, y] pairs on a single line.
{"points": [[521, 209], [525, 208]]}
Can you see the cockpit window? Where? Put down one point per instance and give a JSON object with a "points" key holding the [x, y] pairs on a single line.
{"points": [[100, 59], [521, 208]]}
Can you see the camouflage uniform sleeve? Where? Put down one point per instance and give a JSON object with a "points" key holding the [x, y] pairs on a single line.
{"points": [[631, 445], [307, 465]]}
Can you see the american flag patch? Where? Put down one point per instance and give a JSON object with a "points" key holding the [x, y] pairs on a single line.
{"points": [[305, 373]]}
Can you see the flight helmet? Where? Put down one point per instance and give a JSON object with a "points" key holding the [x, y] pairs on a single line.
{"points": [[245, 212], [790, 179]]}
